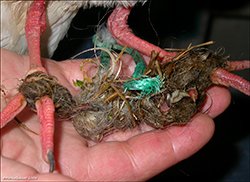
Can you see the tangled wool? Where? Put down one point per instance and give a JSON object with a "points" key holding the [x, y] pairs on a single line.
{"points": [[37, 85]]}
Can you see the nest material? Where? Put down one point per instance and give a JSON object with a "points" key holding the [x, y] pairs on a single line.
{"points": [[192, 70], [39, 84], [112, 115], [189, 71], [105, 105]]}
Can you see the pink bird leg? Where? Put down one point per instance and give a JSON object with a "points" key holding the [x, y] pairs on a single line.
{"points": [[14, 107], [223, 77], [117, 25], [34, 27], [238, 65], [45, 112]]}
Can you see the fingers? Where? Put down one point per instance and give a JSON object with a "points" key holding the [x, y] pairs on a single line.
{"points": [[163, 149], [146, 155], [71, 68], [218, 99], [14, 170]]}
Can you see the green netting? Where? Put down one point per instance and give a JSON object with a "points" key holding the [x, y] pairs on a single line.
{"points": [[145, 85]]}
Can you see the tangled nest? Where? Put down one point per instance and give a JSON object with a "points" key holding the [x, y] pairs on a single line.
{"points": [[125, 104], [107, 103], [39, 84]]}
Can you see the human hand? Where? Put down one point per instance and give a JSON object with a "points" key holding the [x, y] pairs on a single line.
{"points": [[122, 156]]}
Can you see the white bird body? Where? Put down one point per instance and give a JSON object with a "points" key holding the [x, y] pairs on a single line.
{"points": [[59, 15]]}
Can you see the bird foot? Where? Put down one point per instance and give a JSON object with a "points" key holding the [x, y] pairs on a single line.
{"points": [[34, 27], [117, 25]]}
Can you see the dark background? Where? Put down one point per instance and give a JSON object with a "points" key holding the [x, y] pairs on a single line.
{"points": [[177, 24]]}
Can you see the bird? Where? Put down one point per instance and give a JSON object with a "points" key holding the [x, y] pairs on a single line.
{"points": [[36, 27], [59, 15]]}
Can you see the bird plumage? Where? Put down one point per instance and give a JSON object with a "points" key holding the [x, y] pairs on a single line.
{"points": [[59, 16]]}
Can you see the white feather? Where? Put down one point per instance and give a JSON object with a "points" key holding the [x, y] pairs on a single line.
{"points": [[59, 16]]}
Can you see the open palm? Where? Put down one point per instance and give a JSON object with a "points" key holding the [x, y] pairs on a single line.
{"points": [[134, 155]]}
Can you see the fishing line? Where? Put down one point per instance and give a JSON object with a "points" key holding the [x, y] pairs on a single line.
{"points": [[157, 36]]}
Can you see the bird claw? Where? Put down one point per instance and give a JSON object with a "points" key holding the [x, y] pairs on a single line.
{"points": [[46, 104], [51, 161], [34, 27]]}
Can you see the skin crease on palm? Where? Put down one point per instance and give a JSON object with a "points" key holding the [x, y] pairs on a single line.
{"points": [[125, 156]]}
